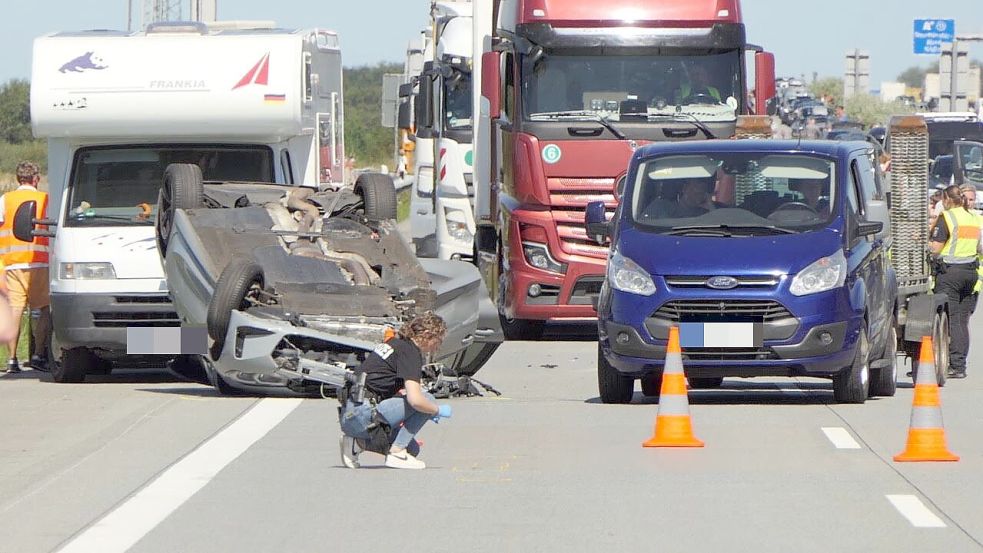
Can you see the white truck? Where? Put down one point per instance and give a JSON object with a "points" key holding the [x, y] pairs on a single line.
{"points": [[244, 101], [444, 114]]}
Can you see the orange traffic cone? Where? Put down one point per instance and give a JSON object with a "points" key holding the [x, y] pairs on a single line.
{"points": [[673, 426], [926, 435]]}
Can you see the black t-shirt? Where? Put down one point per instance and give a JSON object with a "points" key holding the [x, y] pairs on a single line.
{"points": [[390, 364]]}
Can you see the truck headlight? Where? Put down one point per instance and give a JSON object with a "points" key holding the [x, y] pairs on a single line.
{"points": [[822, 275], [457, 224], [626, 275], [87, 271], [538, 255]]}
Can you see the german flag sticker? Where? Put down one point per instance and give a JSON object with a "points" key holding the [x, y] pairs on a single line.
{"points": [[275, 98]]}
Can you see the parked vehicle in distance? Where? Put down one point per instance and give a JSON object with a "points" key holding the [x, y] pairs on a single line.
{"points": [[770, 256]]}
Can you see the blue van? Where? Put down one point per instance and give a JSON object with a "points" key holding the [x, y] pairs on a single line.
{"points": [[770, 257]]}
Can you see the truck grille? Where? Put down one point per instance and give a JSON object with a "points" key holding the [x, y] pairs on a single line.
{"points": [[721, 310], [569, 198]]}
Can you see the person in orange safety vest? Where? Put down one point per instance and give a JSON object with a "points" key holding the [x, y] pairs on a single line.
{"points": [[26, 264]]}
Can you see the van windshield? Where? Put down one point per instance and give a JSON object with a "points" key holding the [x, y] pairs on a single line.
{"points": [[733, 194], [119, 186]]}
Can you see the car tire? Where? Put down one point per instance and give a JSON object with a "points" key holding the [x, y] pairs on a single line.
{"points": [[74, 365], [612, 386], [522, 329], [234, 284], [182, 189], [884, 381], [651, 385], [940, 345], [705, 383], [378, 195], [852, 384]]}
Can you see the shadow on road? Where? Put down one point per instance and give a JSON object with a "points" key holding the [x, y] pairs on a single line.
{"points": [[118, 376], [570, 332], [755, 393]]}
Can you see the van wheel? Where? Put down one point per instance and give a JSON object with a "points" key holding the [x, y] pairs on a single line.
{"points": [[241, 280], [613, 386], [182, 189], [884, 381], [852, 384], [378, 196], [74, 365], [651, 385]]}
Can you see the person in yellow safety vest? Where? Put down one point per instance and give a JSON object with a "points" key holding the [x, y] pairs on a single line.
{"points": [[26, 263], [698, 84], [956, 239], [969, 195]]}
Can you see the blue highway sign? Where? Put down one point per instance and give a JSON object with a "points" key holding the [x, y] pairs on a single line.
{"points": [[931, 34]]}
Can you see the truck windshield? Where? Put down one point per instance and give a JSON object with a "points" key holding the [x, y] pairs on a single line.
{"points": [[457, 103], [633, 87], [733, 194], [119, 186]]}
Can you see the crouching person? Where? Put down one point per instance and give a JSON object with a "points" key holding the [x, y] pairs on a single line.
{"points": [[394, 406]]}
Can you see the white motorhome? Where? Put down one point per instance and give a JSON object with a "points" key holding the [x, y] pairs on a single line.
{"points": [[445, 114], [244, 102]]}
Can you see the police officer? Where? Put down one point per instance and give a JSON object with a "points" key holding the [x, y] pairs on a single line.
{"points": [[393, 395], [956, 239]]}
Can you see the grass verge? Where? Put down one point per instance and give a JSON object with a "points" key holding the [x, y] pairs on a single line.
{"points": [[403, 203]]}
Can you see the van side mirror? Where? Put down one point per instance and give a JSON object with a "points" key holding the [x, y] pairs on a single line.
{"points": [[24, 221], [598, 228], [868, 228]]}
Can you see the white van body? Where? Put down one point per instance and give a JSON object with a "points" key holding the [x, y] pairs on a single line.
{"points": [[116, 107]]}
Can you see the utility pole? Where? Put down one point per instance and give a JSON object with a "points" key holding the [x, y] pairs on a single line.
{"points": [[953, 73], [857, 74]]}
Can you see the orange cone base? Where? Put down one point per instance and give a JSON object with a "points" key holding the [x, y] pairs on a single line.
{"points": [[673, 431], [926, 445]]}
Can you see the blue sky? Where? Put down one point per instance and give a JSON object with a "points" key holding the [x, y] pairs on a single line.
{"points": [[805, 37]]}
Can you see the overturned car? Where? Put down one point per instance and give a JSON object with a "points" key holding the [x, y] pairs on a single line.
{"points": [[289, 279]]}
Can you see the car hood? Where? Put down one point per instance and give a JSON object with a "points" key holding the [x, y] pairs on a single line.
{"points": [[663, 255]]}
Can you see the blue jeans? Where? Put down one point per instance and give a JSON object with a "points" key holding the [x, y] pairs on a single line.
{"points": [[356, 418]]}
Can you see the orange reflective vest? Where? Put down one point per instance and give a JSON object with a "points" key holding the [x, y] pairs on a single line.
{"points": [[15, 252]]}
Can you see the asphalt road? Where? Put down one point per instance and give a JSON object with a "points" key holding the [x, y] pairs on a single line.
{"points": [[152, 463]]}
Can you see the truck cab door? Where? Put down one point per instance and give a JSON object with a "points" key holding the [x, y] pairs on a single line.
{"points": [[967, 157]]}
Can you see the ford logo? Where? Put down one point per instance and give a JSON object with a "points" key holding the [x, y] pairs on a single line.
{"points": [[722, 282]]}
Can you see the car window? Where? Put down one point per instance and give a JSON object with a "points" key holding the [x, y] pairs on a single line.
{"points": [[868, 178], [852, 194]]}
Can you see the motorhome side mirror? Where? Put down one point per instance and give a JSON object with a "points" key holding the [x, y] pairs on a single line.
{"points": [[868, 228], [764, 81], [598, 228], [405, 90], [491, 83], [24, 221]]}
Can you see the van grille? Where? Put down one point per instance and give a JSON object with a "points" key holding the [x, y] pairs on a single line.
{"points": [[723, 354], [722, 310]]}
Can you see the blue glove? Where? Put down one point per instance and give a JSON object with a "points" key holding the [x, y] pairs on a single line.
{"points": [[443, 412]]}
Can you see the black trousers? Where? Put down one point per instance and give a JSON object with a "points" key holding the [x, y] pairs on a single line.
{"points": [[957, 283]]}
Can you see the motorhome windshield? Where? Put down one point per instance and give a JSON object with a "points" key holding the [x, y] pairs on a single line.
{"points": [[562, 84], [119, 186], [733, 194], [457, 103]]}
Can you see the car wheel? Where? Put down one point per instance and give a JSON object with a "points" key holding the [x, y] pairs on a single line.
{"points": [[613, 386], [940, 341], [884, 381], [651, 385], [522, 329], [240, 279], [182, 189], [74, 365], [705, 383], [852, 384], [378, 196]]}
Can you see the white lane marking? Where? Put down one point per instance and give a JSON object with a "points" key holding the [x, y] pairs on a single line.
{"points": [[915, 511], [131, 521], [840, 437]]}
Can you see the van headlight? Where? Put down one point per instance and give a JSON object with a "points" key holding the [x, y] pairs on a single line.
{"points": [[824, 274], [625, 275], [457, 224], [87, 271]]}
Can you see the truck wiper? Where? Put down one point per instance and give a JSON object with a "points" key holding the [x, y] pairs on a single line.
{"points": [[580, 114], [727, 230], [132, 220], [688, 118]]}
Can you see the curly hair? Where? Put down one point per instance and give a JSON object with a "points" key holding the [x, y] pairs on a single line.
{"points": [[27, 171], [428, 326]]}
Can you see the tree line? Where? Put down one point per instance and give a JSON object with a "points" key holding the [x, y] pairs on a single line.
{"points": [[365, 138]]}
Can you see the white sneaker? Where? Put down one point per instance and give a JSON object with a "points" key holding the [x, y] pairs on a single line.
{"points": [[403, 460], [349, 451]]}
